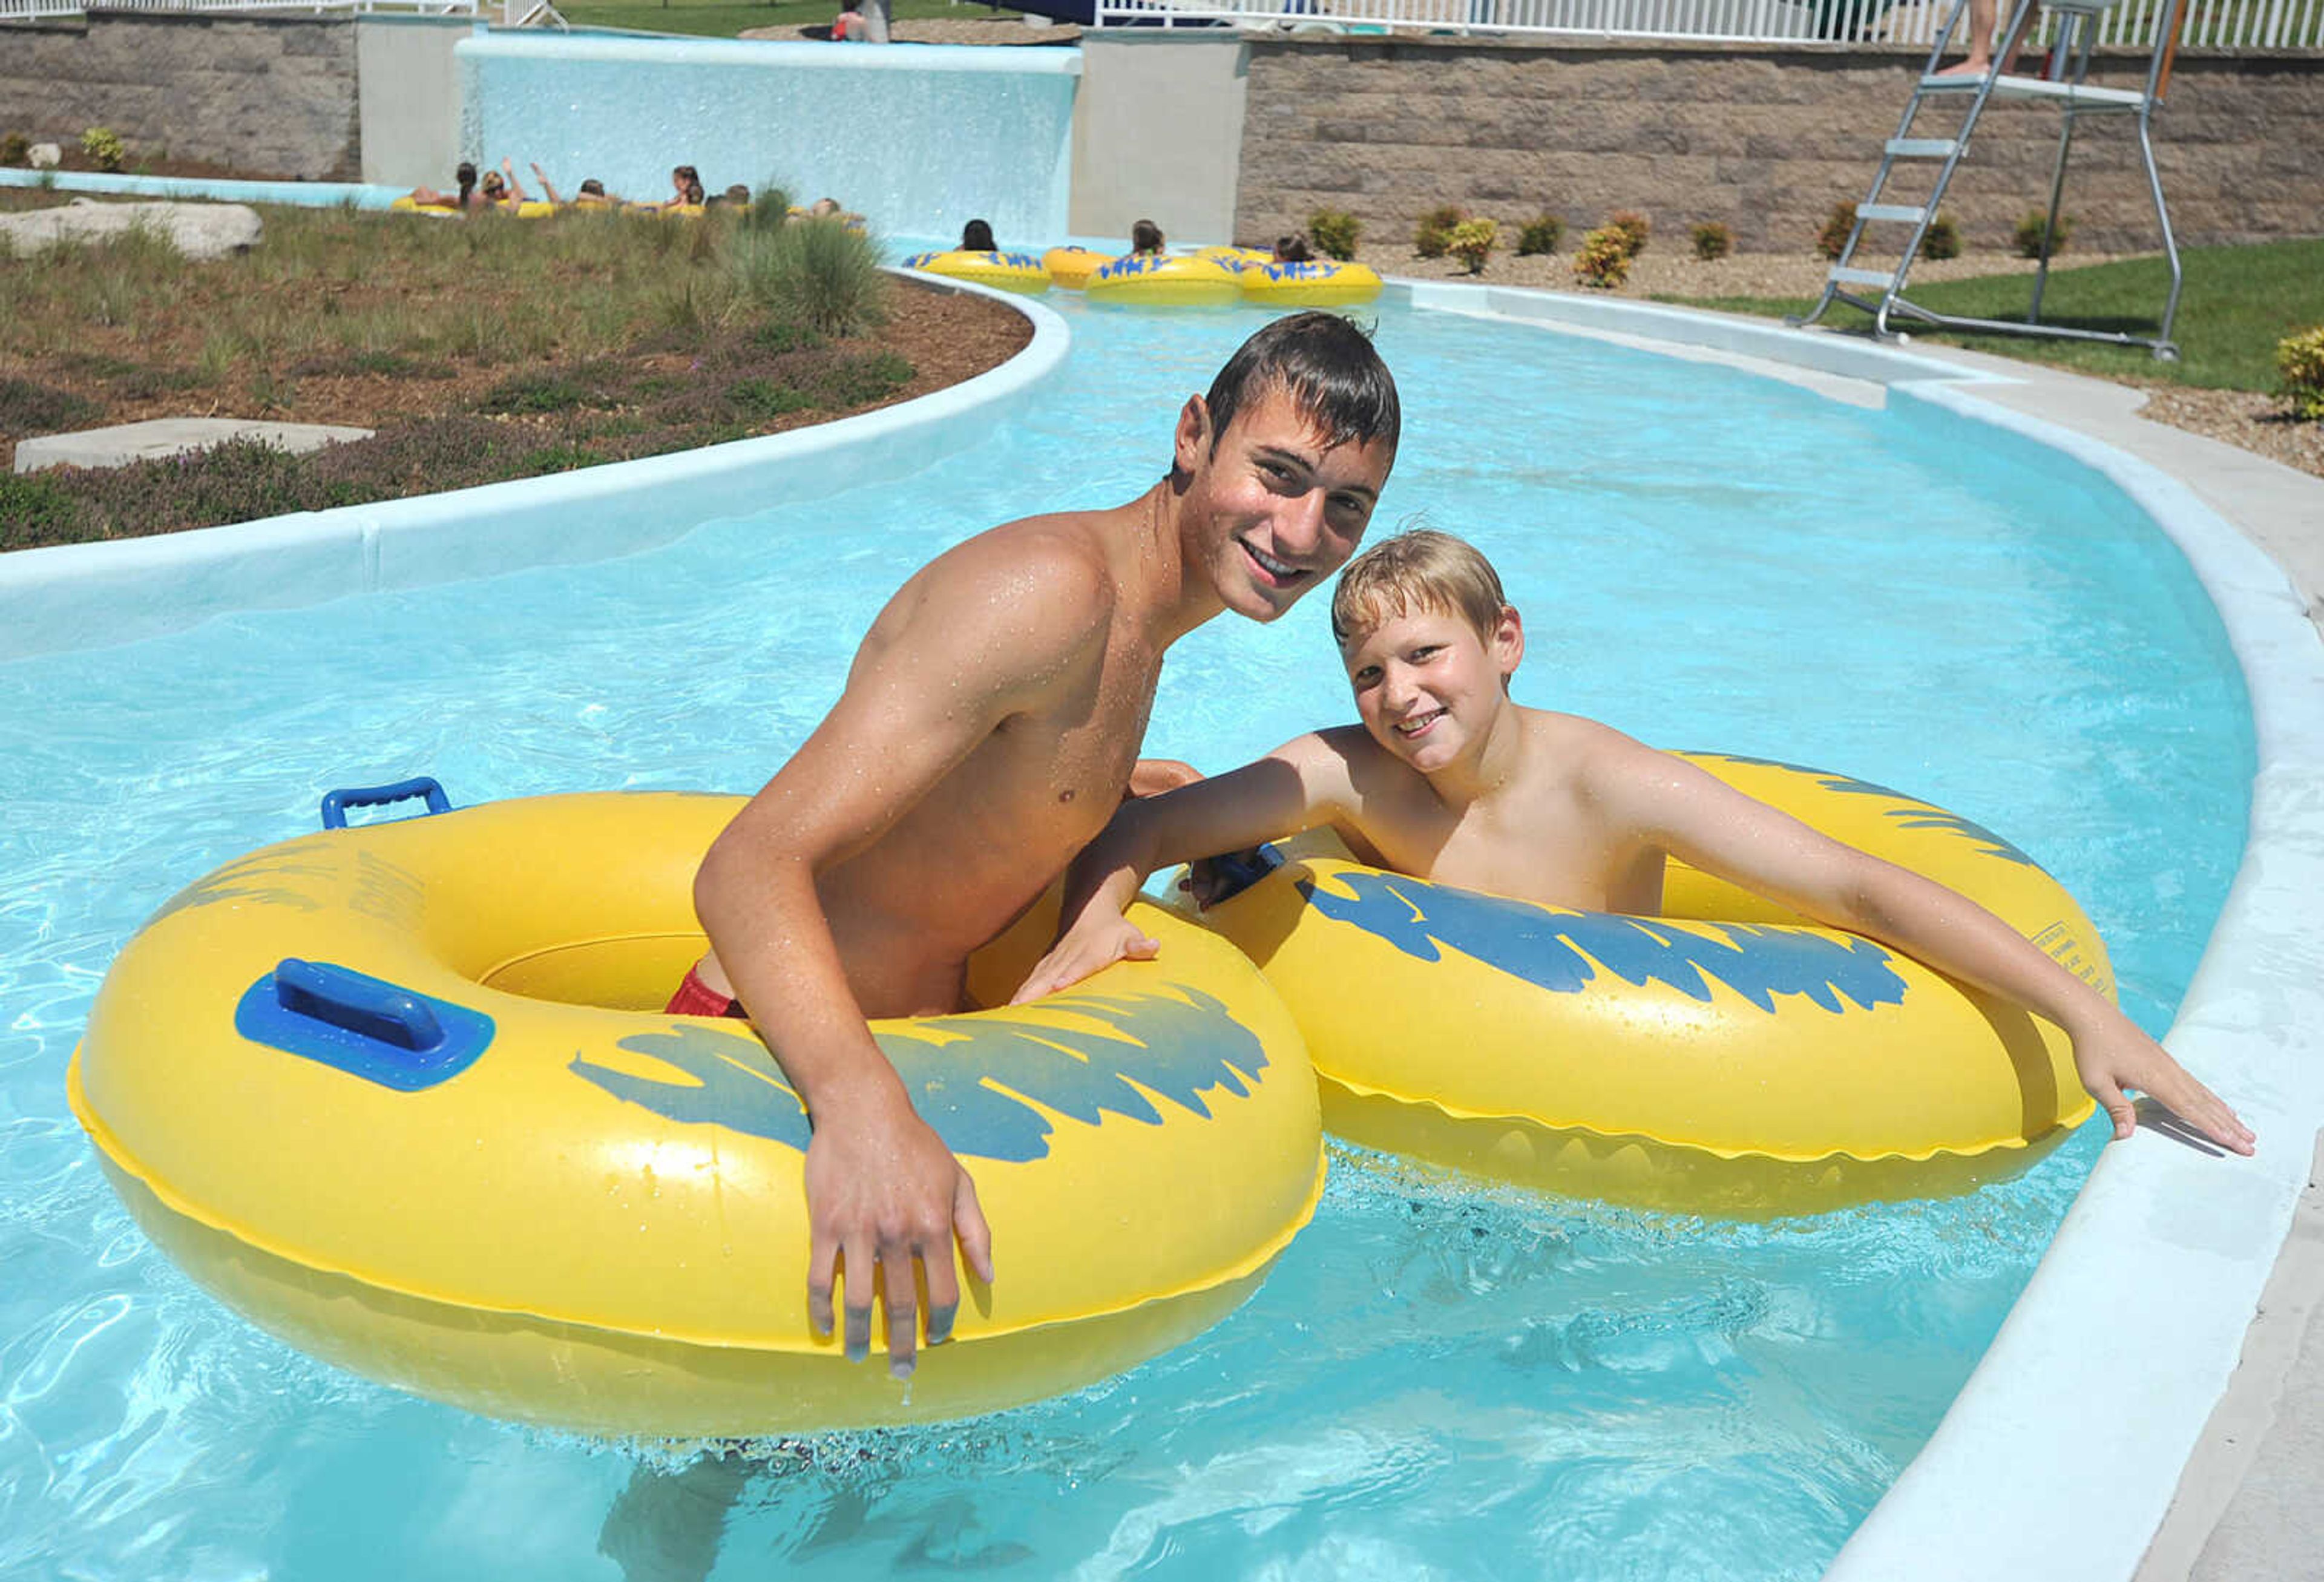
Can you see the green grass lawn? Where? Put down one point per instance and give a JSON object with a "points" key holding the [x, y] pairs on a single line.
{"points": [[723, 19], [2238, 302]]}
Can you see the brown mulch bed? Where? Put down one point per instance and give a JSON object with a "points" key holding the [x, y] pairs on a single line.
{"points": [[946, 337]]}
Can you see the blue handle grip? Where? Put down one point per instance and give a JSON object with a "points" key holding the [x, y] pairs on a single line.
{"points": [[336, 805], [366, 1006]]}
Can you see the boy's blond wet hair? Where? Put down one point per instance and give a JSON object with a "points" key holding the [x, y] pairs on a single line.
{"points": [[1423, 570]]}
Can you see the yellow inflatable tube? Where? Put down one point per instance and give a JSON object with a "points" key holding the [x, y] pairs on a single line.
{"points": [[1166, 282], [1726, 1055], [508, 1181], [1011, 271], [1072, 267], [1319, 284]]}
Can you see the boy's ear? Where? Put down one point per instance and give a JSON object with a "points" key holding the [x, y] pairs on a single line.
{"points": [[1508, 641], [1194, 436]]}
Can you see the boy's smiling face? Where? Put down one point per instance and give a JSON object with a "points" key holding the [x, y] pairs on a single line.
{"points": [[1283, 512], [1429, 688]]}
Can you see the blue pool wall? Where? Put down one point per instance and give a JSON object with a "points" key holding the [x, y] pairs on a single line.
{"points": [[911, 136]]}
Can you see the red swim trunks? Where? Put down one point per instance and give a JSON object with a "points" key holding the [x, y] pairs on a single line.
{"points": [[696, 998]]}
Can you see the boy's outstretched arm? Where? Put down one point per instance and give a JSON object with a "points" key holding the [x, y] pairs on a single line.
{"points": [[1291, 790], [1693, 816]]}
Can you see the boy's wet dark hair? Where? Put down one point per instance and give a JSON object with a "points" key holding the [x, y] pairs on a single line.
{"points": [[592, 187], [1328, 367], [1145, 237], [976, 236]]}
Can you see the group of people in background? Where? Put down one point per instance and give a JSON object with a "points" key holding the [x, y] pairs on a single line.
{"points": [[500, 190]]}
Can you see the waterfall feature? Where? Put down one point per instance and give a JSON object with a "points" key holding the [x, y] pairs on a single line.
{"points": [[917, 137]]}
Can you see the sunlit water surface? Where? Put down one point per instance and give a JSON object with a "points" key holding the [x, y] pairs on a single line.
{"points": [[1435, 1382]]}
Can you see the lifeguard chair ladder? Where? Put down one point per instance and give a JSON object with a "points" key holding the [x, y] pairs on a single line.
{"points": [[2062, 83]]}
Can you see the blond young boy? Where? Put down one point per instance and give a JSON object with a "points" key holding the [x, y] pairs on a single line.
{"points": [[1449, 780]]}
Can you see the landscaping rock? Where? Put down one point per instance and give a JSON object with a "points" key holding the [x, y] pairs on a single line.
{"points": [[168, 436], [200, 231], [44, 156]]}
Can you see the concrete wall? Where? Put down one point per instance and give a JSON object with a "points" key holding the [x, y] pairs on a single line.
{"points": [[1764, 140], [1157, 134], [266, 95], [409, 97]]}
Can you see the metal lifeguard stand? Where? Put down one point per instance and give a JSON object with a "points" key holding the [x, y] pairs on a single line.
{"points": [[2062, 83]]}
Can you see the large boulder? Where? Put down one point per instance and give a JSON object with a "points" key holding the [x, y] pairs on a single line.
{"points": [[197, 230]]}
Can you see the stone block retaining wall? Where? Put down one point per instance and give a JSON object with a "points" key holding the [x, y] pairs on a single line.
{"points": [[1764, 140], [267, 95]]}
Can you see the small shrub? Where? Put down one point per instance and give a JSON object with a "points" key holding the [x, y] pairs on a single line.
{"points": [[1604, 261], [779, 335], [555, 389], [1334, 232], [855, 381], [2029, 232], [36, 508], [1831, 241], [767, 398], [1540, 235], [1433, 238], [1943, 239], [26, 408], [1472, 241], [15, 149], [104, 147], [1713, 241], [1633, 227], [2300, 359]]}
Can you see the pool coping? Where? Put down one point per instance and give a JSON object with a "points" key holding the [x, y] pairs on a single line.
{"points": [[2154, 1277], [2063, 1455], [73, 596]]}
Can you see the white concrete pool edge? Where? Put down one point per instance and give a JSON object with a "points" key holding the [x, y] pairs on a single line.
{"points": [[76, 596], [2061, 1456]]}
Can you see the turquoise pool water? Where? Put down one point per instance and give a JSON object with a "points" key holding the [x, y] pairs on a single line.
{"points": [[1435, 1382]]}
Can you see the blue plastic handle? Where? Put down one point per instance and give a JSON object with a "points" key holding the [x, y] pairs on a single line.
{"points": [[366, 1006], [336, 805]]}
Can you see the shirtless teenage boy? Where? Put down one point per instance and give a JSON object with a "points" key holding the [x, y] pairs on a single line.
{"points": [[989, 727], [1448, 780]]}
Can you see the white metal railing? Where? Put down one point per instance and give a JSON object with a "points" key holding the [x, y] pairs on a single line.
{"points": [[2265, 24], [25, 9]]}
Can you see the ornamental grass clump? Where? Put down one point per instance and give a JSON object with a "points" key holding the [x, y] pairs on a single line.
{"points": [[1604, 261], [1633, 227], [2300, 359], [1942, 240], [1334, 232], [1472, 243], [1540, 235], [2030, 229], [15, 148], [1713, 241], [818, 272], [1433, 238]]}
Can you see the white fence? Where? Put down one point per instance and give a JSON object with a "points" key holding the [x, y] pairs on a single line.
{"points": [[25, 9], [2262, 24]]}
